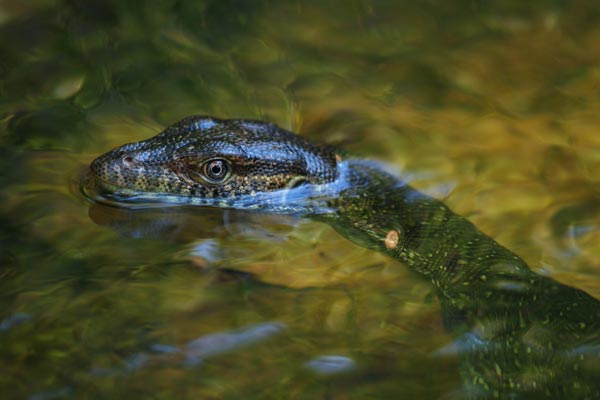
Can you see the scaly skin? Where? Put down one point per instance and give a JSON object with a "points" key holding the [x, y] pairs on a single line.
{"points": [[518, 334], [264, 158]]}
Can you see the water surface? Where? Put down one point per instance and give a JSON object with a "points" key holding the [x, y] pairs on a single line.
{"points": [[491, 106]]}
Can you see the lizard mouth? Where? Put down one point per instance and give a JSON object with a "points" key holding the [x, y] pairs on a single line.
{"points": [[99, 190], [297, 200]]}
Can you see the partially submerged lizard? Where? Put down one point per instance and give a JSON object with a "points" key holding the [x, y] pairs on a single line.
{"points": [[518, 334]]}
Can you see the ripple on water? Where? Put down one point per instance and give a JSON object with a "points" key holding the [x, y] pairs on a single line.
{"points": [[331, 364]]}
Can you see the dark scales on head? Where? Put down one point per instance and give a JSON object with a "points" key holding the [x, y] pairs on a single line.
{"points": [[205, 157]]}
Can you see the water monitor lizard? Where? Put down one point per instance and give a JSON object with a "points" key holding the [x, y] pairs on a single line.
{"points": [[518, 334]]}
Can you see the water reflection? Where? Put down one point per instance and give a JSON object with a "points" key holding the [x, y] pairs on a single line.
{"points": [[495, 100], [329, 365], [188, 224], [198, 350], [13, 320]]}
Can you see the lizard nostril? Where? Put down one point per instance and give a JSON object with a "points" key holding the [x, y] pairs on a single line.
{"points": [[127, 160]]}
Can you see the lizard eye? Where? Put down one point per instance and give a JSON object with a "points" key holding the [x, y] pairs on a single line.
{"points": [[216, 170]]}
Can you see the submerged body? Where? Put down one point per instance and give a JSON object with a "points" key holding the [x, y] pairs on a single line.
{"points": [[519, 335]]}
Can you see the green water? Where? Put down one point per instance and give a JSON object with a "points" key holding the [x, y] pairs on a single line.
{"points": [[491, 106]]}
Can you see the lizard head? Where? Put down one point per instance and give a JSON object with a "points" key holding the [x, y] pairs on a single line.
{"points": [[208, 161]]}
